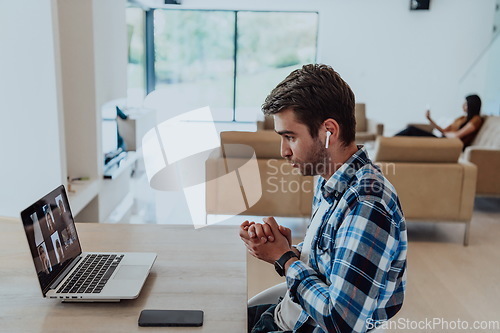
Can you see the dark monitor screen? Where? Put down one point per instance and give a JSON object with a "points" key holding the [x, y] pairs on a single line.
{"points": [[419, 4], [51, 233]]}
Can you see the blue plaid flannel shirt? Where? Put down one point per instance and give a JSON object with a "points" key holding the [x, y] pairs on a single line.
{"points": [[357, 263]]}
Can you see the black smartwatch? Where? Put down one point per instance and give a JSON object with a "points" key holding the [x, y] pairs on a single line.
{"points": [[279, 265]]}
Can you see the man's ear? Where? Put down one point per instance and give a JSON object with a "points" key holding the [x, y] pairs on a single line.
{"points": [[331, 125]]}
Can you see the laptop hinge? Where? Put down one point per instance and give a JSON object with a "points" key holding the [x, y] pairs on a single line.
{"points": [[65, 273]]}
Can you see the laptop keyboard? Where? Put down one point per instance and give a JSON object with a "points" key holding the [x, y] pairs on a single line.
{"points": [[92, 274]]}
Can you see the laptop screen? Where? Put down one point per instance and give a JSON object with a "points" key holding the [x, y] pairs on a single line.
{"points": [[51, 233]]}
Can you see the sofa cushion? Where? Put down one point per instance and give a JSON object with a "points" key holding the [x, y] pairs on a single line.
{"points": [[489, 134], [417, 149]]}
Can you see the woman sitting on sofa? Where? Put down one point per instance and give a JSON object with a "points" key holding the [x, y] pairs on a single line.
{"points": [[465, 127]]}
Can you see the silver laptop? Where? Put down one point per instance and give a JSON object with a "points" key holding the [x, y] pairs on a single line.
{"points": [[64, 272]]}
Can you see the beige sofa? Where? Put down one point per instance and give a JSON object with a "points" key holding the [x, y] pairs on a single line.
{"points": [[432, 184], [367, 129], [484, 152], [278, 189]]}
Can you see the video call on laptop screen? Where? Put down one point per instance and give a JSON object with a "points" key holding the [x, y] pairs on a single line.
{"points": [[51, 234]]}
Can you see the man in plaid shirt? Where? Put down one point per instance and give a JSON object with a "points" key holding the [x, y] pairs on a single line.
{"points": [[348, 275]]}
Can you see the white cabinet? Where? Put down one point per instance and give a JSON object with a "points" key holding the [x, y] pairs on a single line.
{"points": [[93, 56]]}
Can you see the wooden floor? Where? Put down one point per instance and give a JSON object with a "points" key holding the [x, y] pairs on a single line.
{"points": [[446, 281]]}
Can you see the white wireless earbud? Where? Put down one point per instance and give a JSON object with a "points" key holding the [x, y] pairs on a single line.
{"points": [[328, 133]]}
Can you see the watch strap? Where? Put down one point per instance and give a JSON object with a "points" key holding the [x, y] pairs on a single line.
{"points": [[279, 264]]}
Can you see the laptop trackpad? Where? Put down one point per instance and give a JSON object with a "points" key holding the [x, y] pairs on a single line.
{"points": [[129, 272]]}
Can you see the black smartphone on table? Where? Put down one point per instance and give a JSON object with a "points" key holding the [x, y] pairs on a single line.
{"points": [[172, 318]]}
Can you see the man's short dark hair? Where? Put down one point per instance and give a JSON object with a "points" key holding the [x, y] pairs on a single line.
{"points": [[315, 93]]}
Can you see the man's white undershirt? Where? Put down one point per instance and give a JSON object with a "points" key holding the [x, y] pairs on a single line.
{"points": [[287, 312]]}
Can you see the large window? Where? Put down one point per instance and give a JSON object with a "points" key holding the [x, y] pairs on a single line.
{"points": [[194, 59], [270, 46], [136, 75], [229, 60]]}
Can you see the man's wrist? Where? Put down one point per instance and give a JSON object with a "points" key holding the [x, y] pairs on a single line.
{"points": [[280, 263], [289, 263], [294, 249]]}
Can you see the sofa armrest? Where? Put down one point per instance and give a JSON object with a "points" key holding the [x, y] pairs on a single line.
{"points": [[375, 127], [481, 153], [487, 161]]}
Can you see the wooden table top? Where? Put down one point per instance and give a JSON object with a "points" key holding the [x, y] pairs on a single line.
{"points": [[203, 269]]}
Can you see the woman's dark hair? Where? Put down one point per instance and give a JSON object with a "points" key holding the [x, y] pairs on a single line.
{"points": [[315, 93], [473, 107]]}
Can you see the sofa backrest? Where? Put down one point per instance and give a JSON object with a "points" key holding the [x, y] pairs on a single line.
{"points": [[489, 134], [360, 114], [269, 123], [417, 149], [266, 144]]}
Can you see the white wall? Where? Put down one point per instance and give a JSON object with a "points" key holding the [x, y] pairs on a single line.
{"points": [[397, 61], [93, 39], [78, 87], [110, 53], [485, 73], [111, 49], [30, 146]]}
